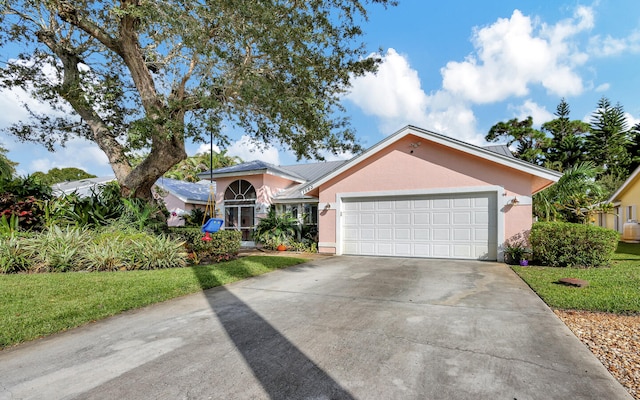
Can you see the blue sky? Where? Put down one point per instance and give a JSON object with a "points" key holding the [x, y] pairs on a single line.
{"points": [[455, 67]]}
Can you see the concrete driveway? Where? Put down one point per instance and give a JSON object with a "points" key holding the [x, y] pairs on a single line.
{"points": [[334, 328]]}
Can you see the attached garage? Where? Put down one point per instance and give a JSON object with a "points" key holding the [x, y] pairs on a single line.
{"points": [[447, 225]]}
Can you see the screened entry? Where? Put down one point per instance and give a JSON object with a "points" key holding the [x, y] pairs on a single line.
{"points": [[239, 208]]}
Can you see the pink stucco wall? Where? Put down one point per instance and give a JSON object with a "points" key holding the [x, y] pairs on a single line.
{"points": [[401, 167], [172, 202]]}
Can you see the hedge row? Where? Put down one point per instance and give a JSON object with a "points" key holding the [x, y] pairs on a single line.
{"points": [[223, 245], [562, 244]]}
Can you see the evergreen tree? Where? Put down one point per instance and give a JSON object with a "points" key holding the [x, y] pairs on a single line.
{"points": [[567, 139], [608, 140]]}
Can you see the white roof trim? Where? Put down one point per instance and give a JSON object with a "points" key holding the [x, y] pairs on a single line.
{"points": [[625, 184], [456, 144]]}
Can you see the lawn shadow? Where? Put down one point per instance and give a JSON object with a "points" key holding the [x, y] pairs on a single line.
{"points": [[281, 368]]}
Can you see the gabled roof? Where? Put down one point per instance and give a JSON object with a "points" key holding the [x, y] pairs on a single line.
{"points": [[188, 192], [500, 149], [313, 171], [255, 167], [547, 176], [630, 180]]}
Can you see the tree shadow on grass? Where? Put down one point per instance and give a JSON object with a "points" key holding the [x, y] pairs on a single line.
{"points": [[282, 369]]}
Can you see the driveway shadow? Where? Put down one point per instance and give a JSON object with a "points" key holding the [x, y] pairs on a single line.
{"points": [[282, 369]]}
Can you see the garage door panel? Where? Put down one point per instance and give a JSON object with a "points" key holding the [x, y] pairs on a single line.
{"points": [[402, 234], [421, 218], [402, 218], [402, 249], [461, 203], [440, 204], [385, 219], [481, 218], [385, 234], [441, 251], [383, 249], [462, 235], [440, 218], [421, 250], [351, 234], [367, 234], [462, 250], [367, 219], [421, 234], [442, 226], [440, 234], [462, 218]]}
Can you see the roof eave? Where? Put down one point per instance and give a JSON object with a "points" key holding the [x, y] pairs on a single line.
{"points": [[626, 183]]}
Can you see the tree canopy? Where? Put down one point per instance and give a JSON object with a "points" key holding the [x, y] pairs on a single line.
{"points": [[7, 167], [189, 168], [596, 157], [139, 74], [57, 175]]}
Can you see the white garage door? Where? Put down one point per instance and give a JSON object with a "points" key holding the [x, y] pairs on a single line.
{"points": [[439, 226]]}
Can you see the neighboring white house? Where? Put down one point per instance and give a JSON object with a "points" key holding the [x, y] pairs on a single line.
{"points": [[179, 197]]}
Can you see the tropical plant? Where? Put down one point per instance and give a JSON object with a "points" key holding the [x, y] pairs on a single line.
{"points": [[13, 257], [148, 75], [573, 198], [9, 226], [57, 249], [144, 215], [277, 229], [515, 252]]}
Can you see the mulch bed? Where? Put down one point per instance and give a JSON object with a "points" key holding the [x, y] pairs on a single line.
{"points": [[614, 339]]}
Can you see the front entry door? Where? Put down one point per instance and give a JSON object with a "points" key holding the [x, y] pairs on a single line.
{"points": [[241, 218]]}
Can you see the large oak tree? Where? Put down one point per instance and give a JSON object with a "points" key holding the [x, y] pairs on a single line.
{"points": [[142, 74]]}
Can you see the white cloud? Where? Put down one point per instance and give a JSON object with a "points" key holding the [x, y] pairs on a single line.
{"points": [[248, 150], [328, 156], [394, 95], [78, 153], [603, 87], [539, 113], [609, 46], [205, 148], [514, 53], [631, 120]]}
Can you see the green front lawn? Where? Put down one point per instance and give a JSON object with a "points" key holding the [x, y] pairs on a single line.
{"points": [[34, 305], [615, 289]]}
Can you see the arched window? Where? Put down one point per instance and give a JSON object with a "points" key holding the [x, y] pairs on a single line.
{"points": [[240, 190]]}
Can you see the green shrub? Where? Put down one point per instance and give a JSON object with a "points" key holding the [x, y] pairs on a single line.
{"points": [[13, 257], [57, 249], [562, 244], [119, 247], [223, 245], [158, 252], [276, 229]]}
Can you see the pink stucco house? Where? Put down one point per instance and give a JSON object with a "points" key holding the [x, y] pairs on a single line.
{"points": [[414, 194]]}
